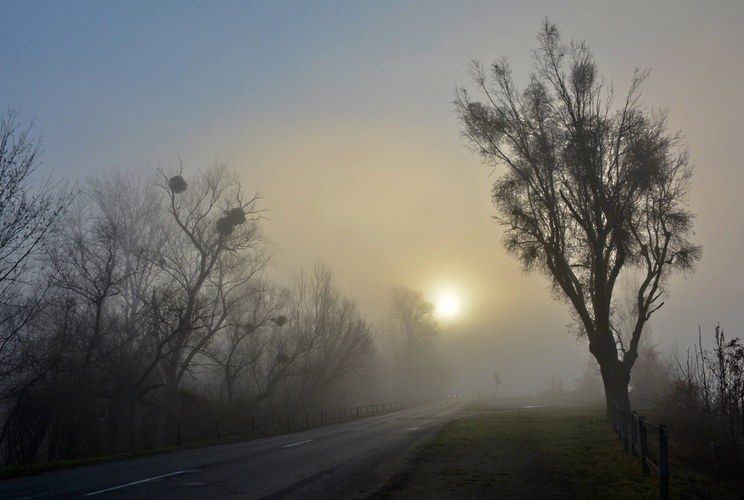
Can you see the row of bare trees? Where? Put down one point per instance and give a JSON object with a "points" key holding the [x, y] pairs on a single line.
{"points": [[134, 301]]}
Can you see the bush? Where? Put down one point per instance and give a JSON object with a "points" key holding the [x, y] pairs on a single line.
{"points": [[705, 405]]}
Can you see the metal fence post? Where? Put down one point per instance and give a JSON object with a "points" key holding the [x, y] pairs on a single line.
{"points": [[644, 443], [613, 417], [663, 462], [634, 434], [624, 428]]}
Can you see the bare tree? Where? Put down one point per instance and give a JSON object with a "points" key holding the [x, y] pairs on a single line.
{"points": [[85, 262], [413, 315], [29, 211], [339, 340], [127, 353], [413, 330], [256, 309], [210, 232], [325, 341], [27, 216], [590, 189], [98, 266]]}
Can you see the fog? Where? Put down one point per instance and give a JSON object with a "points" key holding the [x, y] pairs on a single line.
{"points": [[340, 115]]}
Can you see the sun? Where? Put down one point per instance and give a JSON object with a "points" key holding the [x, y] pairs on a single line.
{"points": [[448, 305]]}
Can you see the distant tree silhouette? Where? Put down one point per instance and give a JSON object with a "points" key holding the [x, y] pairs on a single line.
{"points": [[414, 328], [240, 346], [325, 342], [590, 191]]}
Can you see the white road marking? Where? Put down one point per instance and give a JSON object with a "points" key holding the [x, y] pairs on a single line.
{"points": [[297, 444], [139, 482]]}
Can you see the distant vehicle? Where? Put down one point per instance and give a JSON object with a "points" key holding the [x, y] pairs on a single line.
{"points": [[454, 396]]}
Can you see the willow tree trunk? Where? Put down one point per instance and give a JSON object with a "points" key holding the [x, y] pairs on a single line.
{"points": [[616, 379]]}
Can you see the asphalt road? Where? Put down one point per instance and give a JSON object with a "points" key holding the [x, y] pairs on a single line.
{"points": [[346, 460]]}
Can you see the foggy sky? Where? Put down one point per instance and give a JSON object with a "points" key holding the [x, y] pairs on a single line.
{"points": [[340, 114]]}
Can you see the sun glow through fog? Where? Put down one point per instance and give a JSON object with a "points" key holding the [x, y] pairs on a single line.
{"points": [[448, 305]]}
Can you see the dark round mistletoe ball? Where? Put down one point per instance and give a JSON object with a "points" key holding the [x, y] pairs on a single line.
{"points": [[177, 184]]}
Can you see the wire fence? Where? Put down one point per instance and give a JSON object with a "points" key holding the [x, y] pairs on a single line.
{"points": [[269, 425], [647, 441]]}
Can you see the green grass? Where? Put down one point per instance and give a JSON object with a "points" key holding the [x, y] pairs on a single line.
{"points": [[539, 453], [578, 443]]}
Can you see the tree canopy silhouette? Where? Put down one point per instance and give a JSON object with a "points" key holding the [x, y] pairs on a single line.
{"points": [[590, 190]]}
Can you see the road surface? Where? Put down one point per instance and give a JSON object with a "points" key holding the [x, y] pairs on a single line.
{"points": [[346, 460]]}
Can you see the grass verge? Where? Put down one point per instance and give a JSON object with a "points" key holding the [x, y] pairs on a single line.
{"points": [[538, 453], [14, 471]]}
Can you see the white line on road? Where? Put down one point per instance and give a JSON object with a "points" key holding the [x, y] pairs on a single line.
{"points": [[139, 482], [297, 444]]}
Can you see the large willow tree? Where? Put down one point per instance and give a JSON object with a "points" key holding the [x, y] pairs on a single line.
{"points": [[590, 190]]}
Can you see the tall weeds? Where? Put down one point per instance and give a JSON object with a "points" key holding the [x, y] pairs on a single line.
{"points": [[705, 405]]}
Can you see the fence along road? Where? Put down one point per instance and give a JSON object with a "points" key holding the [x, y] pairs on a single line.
{"points": [[325, 462]]}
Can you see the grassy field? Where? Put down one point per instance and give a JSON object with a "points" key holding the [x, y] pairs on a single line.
{"points": [[539, 453]]}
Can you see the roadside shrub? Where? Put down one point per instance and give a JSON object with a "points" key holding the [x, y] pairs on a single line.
{"points": [[705, 405]]}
